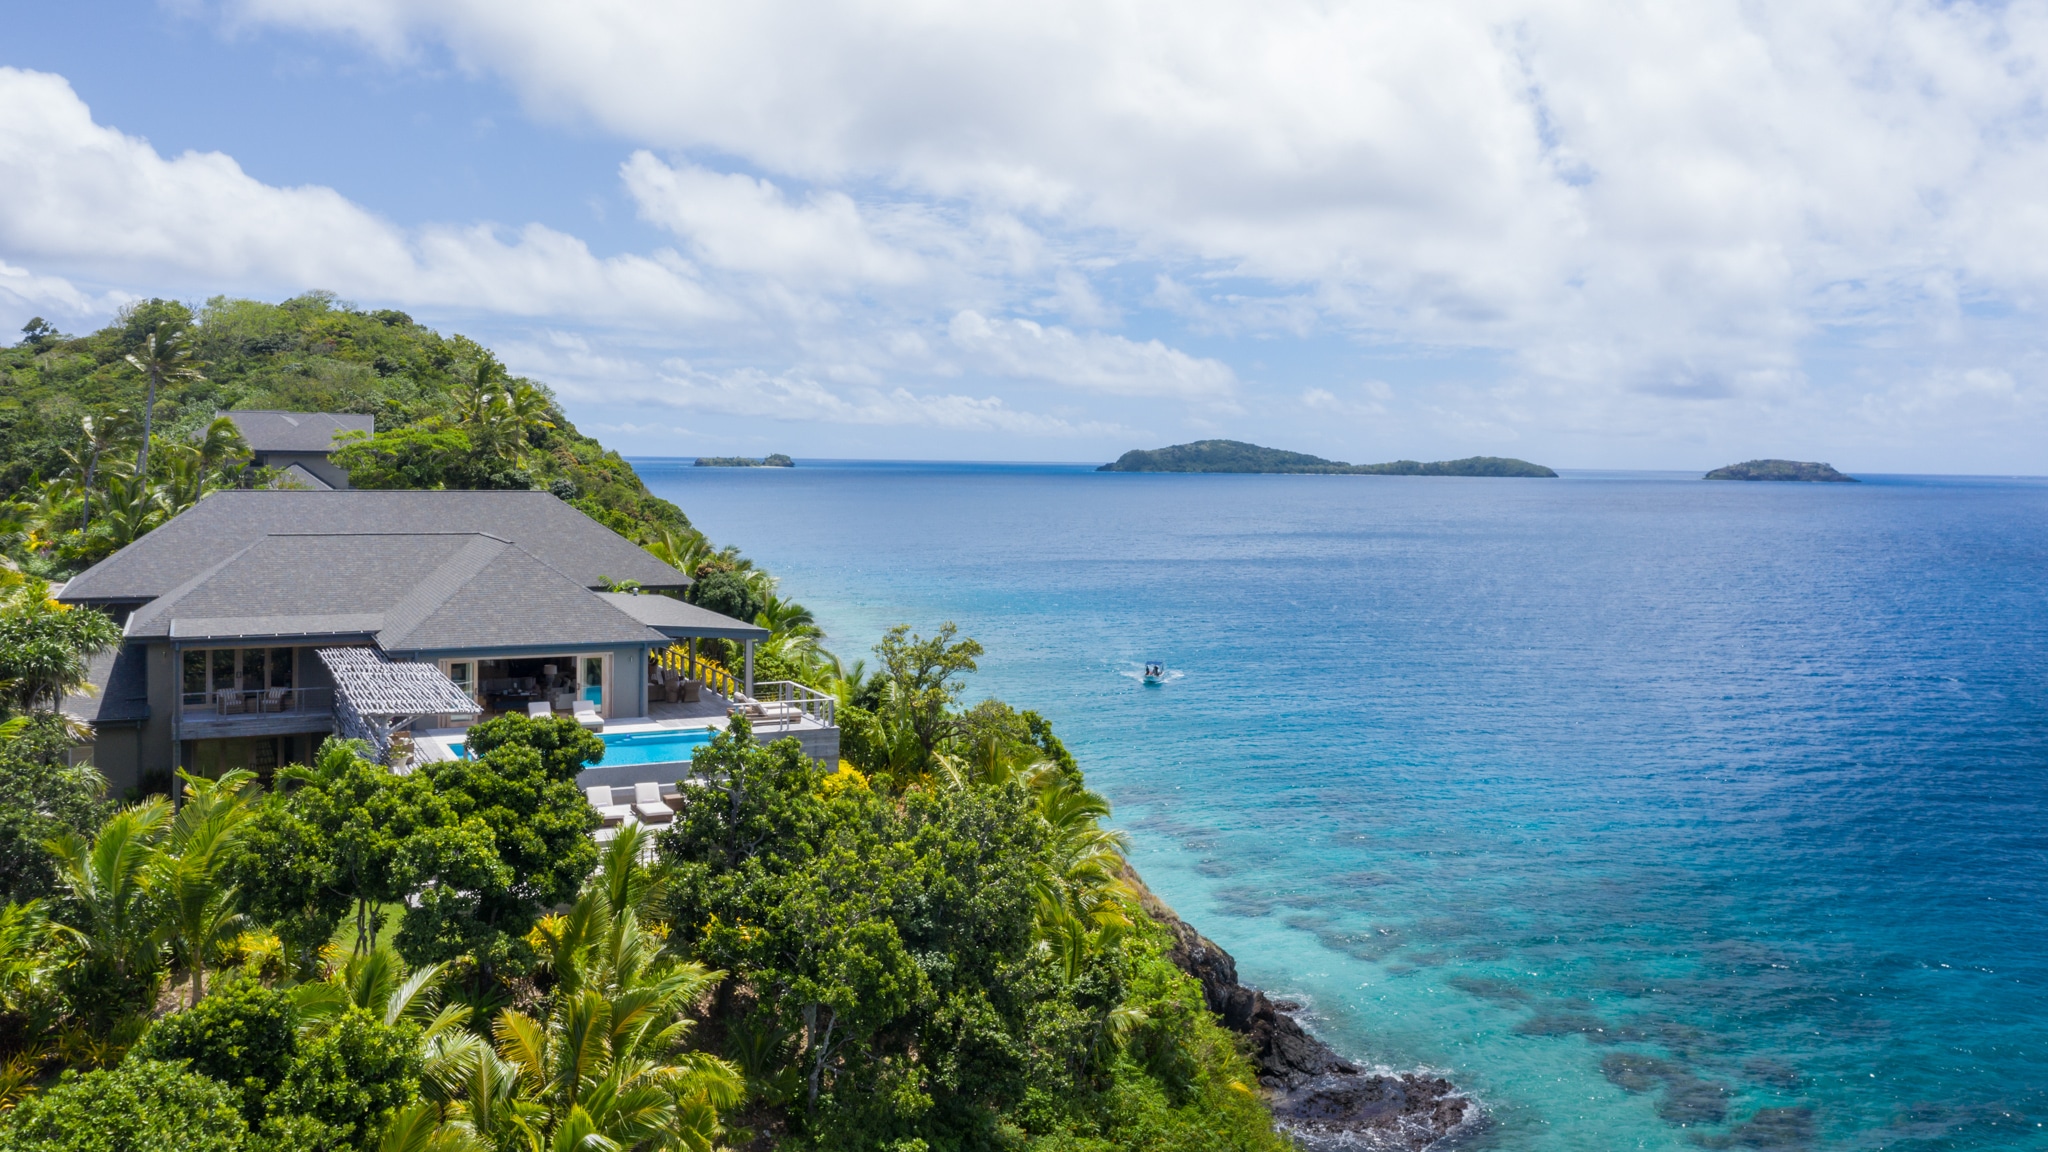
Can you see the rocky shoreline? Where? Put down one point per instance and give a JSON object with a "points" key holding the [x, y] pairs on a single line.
{"points": [[1322, 1100]]}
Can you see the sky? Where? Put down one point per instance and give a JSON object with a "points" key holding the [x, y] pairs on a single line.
{"points": [[1588, 234]]}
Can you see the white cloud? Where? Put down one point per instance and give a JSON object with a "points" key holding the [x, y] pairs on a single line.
{"points": [[795, 397], [1359, 402], [1093, 363], [740, 223], [86, 196], [1636, 196], [23, 291]]}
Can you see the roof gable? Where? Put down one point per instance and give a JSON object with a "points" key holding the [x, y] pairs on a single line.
{"points": [[558, 535], [407, 591], [271, 431]]}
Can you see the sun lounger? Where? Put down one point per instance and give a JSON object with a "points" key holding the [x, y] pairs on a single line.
{"points": [[539, 709], [648, 804], [586, 715], [601, 799]]}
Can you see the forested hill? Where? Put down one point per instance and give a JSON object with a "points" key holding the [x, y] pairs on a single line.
{"points": [[1238, 456], [447, 415]]}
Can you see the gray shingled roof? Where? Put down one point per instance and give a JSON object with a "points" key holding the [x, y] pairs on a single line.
{"points": [[296, 476], [405, 591], [267, 431], [676, 619], [225, 522], [121, 676]]}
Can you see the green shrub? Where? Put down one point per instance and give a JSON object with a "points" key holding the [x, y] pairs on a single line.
{"points": [[243, 1035], [141, 1106], [350, 1077]]}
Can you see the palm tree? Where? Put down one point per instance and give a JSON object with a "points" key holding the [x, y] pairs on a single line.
{"points": [[161, 359], [198, 907], [1083, 902], [132, 508], [787, 618], [682, 551], [603, 1067], [107, 894]]}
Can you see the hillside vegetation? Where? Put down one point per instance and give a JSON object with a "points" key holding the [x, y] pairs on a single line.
{"points": [[1787, 470], [1238, 456], [447, 414], [926, 947]]}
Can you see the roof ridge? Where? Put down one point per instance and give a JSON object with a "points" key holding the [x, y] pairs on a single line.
{"points": [[416, 606], [169, 600]]}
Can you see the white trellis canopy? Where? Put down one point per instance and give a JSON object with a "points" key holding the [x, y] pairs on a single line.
{"points": [[375, 695]]}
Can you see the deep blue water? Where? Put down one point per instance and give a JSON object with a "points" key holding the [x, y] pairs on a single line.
{"points": [[1659, 813]]}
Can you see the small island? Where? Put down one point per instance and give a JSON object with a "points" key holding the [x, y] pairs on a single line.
{"points": [[1238, 456], [776, 460], [1793, 470]]}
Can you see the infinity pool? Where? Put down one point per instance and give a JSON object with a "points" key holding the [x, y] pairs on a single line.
{"points": [[665, 747]]}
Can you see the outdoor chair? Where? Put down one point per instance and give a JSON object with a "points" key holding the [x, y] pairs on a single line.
{"points": [[600, 796], [586, 715], [273, 700], [539, 709], [229, 703], [648, 804]]}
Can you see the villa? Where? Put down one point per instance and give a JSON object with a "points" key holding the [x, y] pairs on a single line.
{"points": [[257, 623], [298, 444]]}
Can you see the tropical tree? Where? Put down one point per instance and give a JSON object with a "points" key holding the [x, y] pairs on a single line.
{"points": [[189, 870], [604, 1065], [45, 646], [924, 681], [107, 904], [1084, 907], [162, 359], [102, 434]]}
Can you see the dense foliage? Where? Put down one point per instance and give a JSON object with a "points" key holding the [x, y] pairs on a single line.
{"points": [[1792, 470], [925, 947], [1238, 456], [73, 410]]}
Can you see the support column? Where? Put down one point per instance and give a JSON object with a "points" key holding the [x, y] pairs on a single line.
{"points": [[750, 669]]}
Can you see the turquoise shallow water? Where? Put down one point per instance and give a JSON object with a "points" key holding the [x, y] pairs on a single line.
{"points": [[1662, 814]]}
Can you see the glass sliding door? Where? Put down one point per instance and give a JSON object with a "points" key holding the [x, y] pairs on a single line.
{"points": [[238, 677]]}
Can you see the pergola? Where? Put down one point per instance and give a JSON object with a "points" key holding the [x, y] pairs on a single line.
{"points": [[375, 695]]}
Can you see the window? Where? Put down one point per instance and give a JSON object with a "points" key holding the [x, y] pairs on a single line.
{"points": [[593, 679], [458, 672], [205, 673], [194, 686]]}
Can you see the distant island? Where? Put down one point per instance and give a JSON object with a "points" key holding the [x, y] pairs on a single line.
{"points": [[1796, 470], [1238, 456], [778, 460]]}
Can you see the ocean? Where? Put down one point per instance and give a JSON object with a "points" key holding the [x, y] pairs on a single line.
{"points": [[1657, 813]]}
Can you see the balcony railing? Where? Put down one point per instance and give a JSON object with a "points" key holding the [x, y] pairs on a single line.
{"points": [[258, 702]]}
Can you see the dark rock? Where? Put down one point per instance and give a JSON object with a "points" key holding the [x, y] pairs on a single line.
{"points": [[1319, 1098]]}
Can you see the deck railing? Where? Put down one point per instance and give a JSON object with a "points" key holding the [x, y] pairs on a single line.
{"points": [[810, 703], [704, 670]]}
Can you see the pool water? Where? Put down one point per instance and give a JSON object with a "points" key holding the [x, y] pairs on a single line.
{"points": [[664, 747]]}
